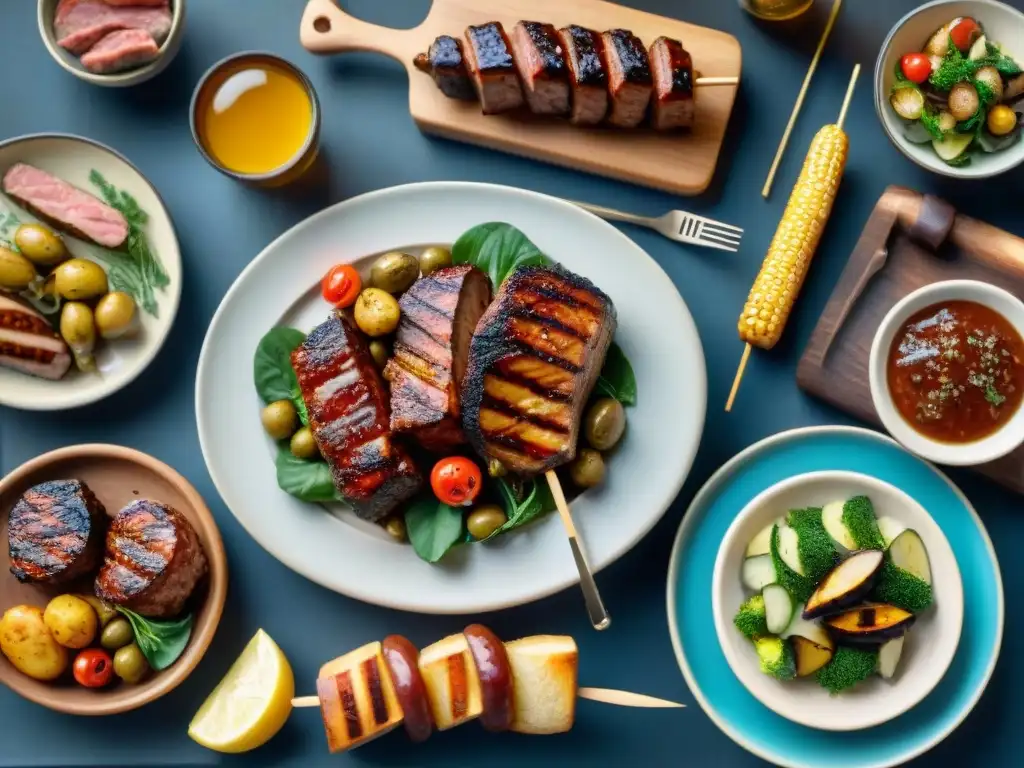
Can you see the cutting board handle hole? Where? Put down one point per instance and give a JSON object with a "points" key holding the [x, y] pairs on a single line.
{"points": [[322, 24]]}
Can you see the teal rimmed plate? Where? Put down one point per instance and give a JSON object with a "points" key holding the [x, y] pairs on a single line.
{"points": [[732, 708]]}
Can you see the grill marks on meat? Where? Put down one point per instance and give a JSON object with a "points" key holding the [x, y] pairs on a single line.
{"points": [[541, 63], [64, 206], [121, 50], [492, 68], [80, 24], [28, 343], [533, 362], [629, 77], [349, 417], [154, 560], [446, 64], [55, 532], [589, 79], [672, 105]]}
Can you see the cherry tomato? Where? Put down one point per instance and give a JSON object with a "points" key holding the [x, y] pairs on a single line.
{"points": [[341, 285], [916, 67], [456, 481], [964, 32], [94, 668]]}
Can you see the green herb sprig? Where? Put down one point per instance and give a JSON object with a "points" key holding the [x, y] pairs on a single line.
{"points": [[161, 642]]}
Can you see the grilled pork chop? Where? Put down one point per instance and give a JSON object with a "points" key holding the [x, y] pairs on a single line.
{"points": [[348, 413], [533, 361], [153, 561], [439, 313], [55, 532], [28, 342]]}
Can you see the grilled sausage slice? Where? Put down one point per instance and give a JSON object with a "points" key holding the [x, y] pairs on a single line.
{"points": [[588, 77], [629, 77], [672, 68], [542, 69], [492, 68]]}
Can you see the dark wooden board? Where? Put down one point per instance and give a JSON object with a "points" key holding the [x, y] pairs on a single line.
{"points": [[910, 240]]}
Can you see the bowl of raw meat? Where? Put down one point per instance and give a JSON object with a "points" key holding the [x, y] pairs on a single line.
{"points": [[114, 43]]}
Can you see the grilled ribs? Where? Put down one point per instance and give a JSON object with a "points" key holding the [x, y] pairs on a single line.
{"points": [[55, 532], [533, 361], [349, 417], [439, 313]]}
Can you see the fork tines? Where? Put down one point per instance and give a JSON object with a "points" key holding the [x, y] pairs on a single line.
{"points": [[709, 233]]}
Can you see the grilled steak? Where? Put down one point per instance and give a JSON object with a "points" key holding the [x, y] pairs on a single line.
{"points": [[629, 77], [492, 68], [445, 63], [55, 532], [121, 50], [65, 207], [533, 361], [672, 68], [348, 413], [153, 562], [587, 75], [542, 69], [79, 24], [439, 313], [28, 342]]}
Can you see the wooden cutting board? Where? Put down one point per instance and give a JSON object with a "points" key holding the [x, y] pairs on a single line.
{"points": [[910, 240], [678, 162]]}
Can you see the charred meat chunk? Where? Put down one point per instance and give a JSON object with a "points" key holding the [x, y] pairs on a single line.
{"points": [[672, 68], [439, 313], [154, 560], [445, 63], [542, 68], [121, 50], [55, 532], [588, 77], [533, 361], [629, 77], [350, 419], [28, 342], [492, 68]]}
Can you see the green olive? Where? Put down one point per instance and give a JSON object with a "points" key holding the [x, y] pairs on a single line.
{"points": [[485, 520], [104, 610], [115, 315], [303, 445], [377, 312], [587, 470], [16, 272], [381, 352], [78, 327], [40, 245], [117, 634], [280, 419], [496, 469], [604, 423], [130, 665], [394, 272], [395, 526], [433, 258], [80, 279]]}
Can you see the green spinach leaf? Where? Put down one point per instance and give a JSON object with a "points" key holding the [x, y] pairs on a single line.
{"points": [[525, 505], [305, 480], [272, 369], [617, 379], [497, 248], [433, 528], [161, 642]]}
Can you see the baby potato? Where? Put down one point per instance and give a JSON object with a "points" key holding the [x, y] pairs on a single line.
{"points": [[28, 644], [376, 312], [71, 621]]}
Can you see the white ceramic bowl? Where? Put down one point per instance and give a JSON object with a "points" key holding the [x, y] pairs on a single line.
{"points": [[1005, 24], [931, 642], [990, 448]]}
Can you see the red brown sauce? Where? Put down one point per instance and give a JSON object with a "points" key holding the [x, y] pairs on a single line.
{"points": [[956, 371]]}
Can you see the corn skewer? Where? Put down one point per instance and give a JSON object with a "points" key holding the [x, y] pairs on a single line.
{"points": [[789, 257], [800, 98]]}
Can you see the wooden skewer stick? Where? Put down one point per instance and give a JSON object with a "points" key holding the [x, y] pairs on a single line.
{"points": [[705, 82], [800, 98], [604, 695], [595, 606]]}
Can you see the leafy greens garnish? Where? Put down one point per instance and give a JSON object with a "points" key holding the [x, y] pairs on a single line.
{"points": [[433, 527], [523, 502], [955, 68], [272, 369], [617, 379], [930, 121], [161, 642]]}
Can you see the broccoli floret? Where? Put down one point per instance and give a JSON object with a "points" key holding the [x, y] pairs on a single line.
{"points": [[799, 587], [848, 667], [859, 519], [901, 588], [817, 553], [750, 618], [776, 657], [955, 68]]}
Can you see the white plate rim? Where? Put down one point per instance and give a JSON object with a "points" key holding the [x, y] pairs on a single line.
{"points": [[711, 486]]}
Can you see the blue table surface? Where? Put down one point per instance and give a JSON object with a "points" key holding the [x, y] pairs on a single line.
{"points": [[371, 142]]}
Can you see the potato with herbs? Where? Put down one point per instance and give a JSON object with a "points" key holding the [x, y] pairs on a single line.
{"points": [[116, 316], [40, 245], [394, 272], [28, 644], [280, 419], [78, 328], [80, 279], [16, 272], [377, 312], [71, 621]]}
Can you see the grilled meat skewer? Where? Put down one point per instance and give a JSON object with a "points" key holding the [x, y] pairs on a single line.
{"points": [[584, 51], [629, 77], [672, 105], [492, 69], [541, 63], [446, 64]]}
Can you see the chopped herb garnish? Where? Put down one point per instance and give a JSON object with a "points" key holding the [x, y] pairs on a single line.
{"points": [[993, 396]]}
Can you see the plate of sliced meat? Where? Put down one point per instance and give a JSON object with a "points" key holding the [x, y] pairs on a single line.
{"points": [[384, 407], [90, 272]]}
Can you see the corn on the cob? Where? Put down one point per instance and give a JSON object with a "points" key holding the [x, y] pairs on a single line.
{"points": [[789, 257]]}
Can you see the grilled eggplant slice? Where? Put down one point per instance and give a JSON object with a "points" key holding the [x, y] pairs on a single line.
{"points": [[846, 584], [870, 624]]}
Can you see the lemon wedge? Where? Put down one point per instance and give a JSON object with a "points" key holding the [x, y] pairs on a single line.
{"points": [[251, 704]]}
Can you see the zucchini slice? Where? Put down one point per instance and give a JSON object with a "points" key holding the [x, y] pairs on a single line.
{"points": [[758, 572], [778, 608]]}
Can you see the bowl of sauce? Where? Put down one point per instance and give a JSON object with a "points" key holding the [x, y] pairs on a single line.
{"points": [[947, 372], [256, 118]]}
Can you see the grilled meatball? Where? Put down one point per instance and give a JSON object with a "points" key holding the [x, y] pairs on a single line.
{"points": [[629, 77], [541, 63], [588, 77], [492, 68]]}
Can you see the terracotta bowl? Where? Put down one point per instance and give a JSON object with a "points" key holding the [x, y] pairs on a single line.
{"points": [[117, 475]]}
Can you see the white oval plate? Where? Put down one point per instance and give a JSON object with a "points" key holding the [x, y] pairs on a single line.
{"points": [[281, 287], [72, 158]]}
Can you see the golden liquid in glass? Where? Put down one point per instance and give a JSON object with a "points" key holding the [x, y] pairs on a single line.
{"points": [[776, 10]]}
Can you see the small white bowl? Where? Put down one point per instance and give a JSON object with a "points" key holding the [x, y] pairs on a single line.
{"points": [[990, 448], [1006, 24], [168, 49], [931, 642]]}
